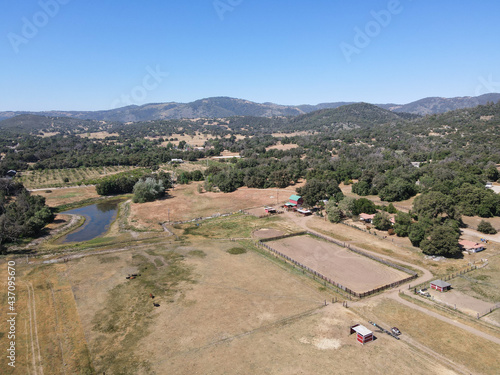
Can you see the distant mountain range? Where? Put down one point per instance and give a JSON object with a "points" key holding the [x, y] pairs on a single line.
{"points": [[218, 107]]}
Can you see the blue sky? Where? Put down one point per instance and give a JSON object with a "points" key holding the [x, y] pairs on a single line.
{"points": [[91, 55]]}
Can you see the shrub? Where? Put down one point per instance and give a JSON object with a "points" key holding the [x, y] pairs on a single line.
{"points": [[237, 251], [486, 227]]}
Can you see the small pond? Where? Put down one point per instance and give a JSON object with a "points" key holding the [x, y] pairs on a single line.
{"points": [[98, 218]]}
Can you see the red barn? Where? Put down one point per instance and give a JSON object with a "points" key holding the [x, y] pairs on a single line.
{"points": [[363, 334], [440, 285], [296, 200]]}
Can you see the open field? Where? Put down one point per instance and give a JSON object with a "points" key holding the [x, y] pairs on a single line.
{"points": [[58, 197], [49, 335], [218, 313], [98, 135], [402, 206], [279, 146], [478, 355], [185, 203], [352, 270], [47, 178]]}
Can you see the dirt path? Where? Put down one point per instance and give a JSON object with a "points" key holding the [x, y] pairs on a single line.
{"points": [[60, 188], [395, 296]]}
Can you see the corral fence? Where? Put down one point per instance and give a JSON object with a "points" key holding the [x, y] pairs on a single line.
{"points": [[490, 310], [471, 267], [205, 218], [277, 212], [413, 274]]}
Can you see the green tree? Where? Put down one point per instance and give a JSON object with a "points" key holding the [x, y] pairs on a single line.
{"points": [[417, 233], [442, 241], [347, 206], [335, 214], [363, 205], [402, 224], [148, 190], [486, 227], [381, 221]]}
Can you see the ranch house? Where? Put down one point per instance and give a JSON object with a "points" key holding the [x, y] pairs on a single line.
{"points": [[471, 247], [440, 285], [363, 334], [367, 218]]}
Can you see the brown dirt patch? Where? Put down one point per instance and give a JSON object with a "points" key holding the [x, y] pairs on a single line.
{"points": [[463, 302], [282, 147], [98, 135], [268, 233], [354, 271]]}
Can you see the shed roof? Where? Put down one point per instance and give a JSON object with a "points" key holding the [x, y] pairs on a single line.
{"points": [[295, 197], [366, 216], [441, 283], [362, 330], [469, 244]]}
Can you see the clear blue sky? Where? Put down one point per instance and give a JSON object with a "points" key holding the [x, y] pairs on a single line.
{"points": [[90, 55]]}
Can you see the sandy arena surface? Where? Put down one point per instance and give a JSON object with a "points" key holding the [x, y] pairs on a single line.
{"points": [[354, 271]]}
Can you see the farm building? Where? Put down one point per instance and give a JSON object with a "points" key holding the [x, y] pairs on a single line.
{"points": [[366, 217], [304, 212], [270, 210], [294, 201], [363, 334], [11, 173], [471, 247], [440, 285]]}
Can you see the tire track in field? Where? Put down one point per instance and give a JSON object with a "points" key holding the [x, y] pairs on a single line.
{"points": [[37, 368], [33, 359]]}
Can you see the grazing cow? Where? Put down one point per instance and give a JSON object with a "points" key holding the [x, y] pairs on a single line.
{"points": [[151, 295], [156, 304]]}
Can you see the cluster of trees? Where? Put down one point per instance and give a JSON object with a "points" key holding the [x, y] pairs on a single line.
{"points": [[21, 214], [347, 207], [123, 183], [148, 190]]}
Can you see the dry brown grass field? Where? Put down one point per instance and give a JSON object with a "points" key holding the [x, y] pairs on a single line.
{"points": [[185, 203], [225, 306], [58, 197], [218, 314]]}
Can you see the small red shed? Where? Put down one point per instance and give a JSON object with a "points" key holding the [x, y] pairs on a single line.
{"points": [[440, 285], [363, 334]]}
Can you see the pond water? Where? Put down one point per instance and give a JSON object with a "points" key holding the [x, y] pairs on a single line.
{"points": [[98, 218]]}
